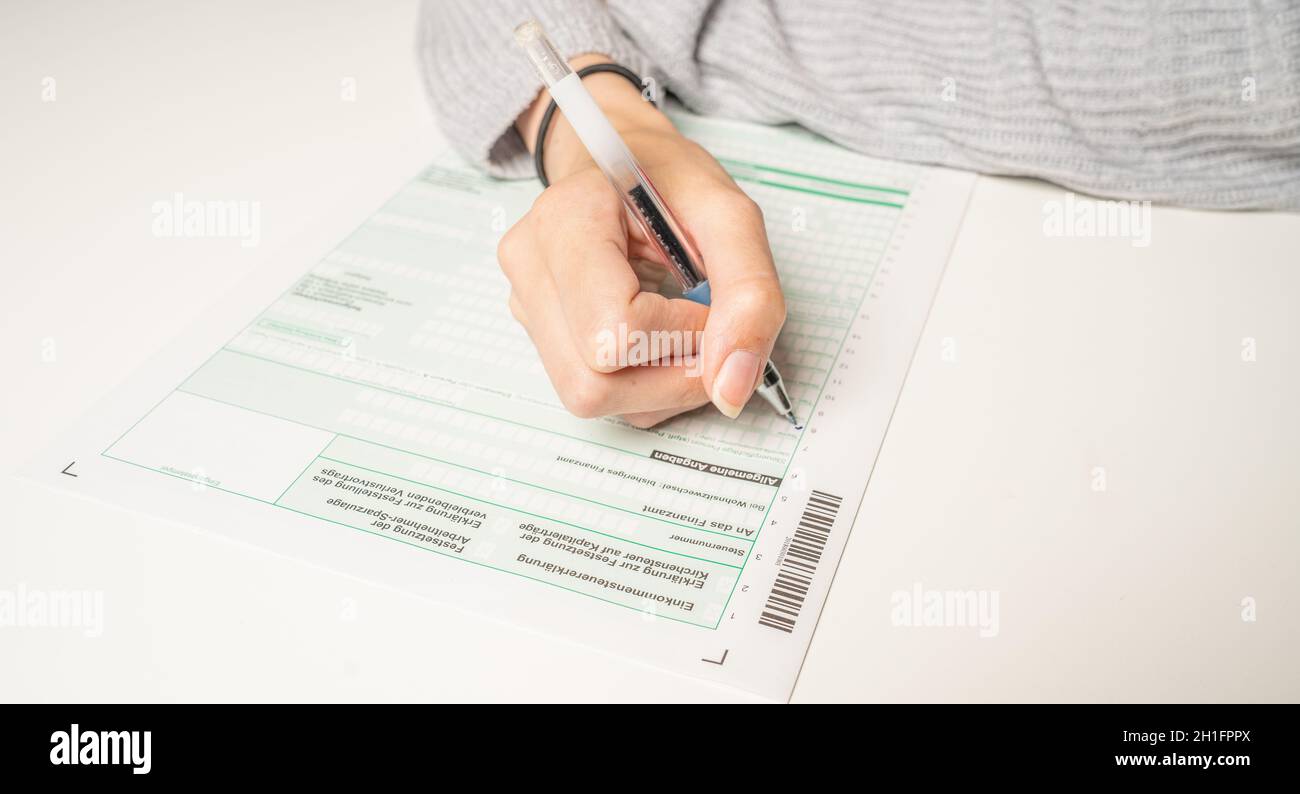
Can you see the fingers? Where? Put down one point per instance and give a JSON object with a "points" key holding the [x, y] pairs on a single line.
{"points": [[587, 393], [669, 381], [601, 333], [748, 309], [599, 293]]}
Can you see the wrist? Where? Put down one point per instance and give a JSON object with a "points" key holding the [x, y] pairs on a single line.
{"points": [[621, 102], [631, 115]]}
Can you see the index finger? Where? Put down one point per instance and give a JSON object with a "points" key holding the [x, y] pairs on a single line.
{"points": [[748, 308], [600, 294]]}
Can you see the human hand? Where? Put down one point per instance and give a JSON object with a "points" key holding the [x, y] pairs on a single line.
{"points": [[581, 277]]}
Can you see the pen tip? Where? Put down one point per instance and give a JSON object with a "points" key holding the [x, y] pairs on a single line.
{"points": [[790, 415]]}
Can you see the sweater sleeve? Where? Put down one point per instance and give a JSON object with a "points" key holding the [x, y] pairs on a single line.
{"points": [[479, 81]]}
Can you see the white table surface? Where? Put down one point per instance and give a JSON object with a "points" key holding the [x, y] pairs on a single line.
{"points": [[1070, 354]]}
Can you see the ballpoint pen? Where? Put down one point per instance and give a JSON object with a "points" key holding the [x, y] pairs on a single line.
{"points": [[643, 202]]}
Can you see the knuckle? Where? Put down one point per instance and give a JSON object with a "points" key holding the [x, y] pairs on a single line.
{"points": [[738, 205], [516, 308], [586, 396], [603, 336], [545, 205], [759, 296], [509, 250]]}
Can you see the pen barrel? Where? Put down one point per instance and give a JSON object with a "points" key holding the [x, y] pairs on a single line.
{"points": [[648, 209], [595, 131], [676, 250]]}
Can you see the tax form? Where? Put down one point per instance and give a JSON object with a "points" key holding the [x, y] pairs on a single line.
{"points": [[384, 416]]}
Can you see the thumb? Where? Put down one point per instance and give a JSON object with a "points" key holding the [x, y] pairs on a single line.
{"points": [[747, 310]]}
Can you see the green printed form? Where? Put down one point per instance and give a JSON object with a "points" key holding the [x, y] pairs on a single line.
{"points": [[386, 416], [432, 423]]}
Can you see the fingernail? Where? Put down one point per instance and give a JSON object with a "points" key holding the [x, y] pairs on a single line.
{"points": [[735, 382]]}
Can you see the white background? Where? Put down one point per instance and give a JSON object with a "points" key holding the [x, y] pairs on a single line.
{"points": [[1070, 354]]}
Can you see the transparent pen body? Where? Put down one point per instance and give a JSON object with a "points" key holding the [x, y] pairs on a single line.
{"points": [[643, 202]]}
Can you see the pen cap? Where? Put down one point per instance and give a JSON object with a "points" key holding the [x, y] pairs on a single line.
{"points": [[542, 53]]}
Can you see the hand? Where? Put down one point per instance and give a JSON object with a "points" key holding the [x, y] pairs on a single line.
{"points": [[581, 275]]}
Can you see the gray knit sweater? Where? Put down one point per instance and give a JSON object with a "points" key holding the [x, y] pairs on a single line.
{"points": [[1189, 102]]}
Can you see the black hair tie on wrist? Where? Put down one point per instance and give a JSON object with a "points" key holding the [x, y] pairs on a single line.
{"points": [[551, 108]]}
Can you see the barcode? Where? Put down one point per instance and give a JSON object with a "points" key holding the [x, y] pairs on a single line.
{"points": [[795, 576]]}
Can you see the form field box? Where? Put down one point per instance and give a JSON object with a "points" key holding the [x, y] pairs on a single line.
{"points": [[221, 446]]}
